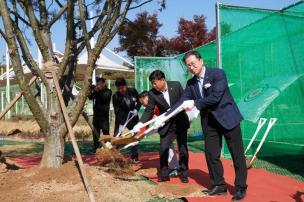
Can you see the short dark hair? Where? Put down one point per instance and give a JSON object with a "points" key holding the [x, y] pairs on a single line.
{"points": [[192, 52], [157, 75], [143, 94], [100, 79], [120, 82]]}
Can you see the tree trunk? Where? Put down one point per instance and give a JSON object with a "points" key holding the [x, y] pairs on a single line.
{"points": [[54, 141], [53, 150]]}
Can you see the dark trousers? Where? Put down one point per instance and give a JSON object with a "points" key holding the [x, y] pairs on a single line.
{"points": [[165, 142], [100, 123], [213, 146]]}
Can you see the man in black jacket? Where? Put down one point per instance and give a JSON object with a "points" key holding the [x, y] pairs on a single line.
{"points": [[101, 96], [126, 104], [165, 94]]}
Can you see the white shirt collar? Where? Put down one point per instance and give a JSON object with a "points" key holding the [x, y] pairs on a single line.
{"points": [[202, 75], [166, 94], [166, 88]]}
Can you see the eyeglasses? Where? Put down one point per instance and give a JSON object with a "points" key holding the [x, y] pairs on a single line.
{"points": [[192, 64]]}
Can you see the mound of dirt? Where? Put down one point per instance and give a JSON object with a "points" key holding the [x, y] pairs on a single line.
{"points": [[2, 168], [114, 162], [173, 191], [65, 184]]}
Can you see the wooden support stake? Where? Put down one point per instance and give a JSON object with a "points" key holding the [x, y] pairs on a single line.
{"points": [[95, 132], [15, 99], [72, 136], [86, 118]]}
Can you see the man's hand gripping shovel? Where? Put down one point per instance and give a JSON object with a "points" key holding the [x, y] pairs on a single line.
{"points": [[133, 137]]}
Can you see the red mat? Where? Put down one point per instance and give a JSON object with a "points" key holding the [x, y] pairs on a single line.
{"points": [[262, 185], [30, 161]]}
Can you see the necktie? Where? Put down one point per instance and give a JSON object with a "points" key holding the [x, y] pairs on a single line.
{"points": [[201, 80]]}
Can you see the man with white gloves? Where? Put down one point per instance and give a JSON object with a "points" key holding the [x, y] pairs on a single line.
{"points": [[220, 118], [163, 95], [173, 158]]}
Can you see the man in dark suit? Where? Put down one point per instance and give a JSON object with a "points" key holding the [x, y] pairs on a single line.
{"points": [[208, 91], [163, 95], [126, 101], [101, 96]]}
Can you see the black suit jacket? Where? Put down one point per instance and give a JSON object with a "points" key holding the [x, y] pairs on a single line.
{"points": [[180, 122], [217, 99], [123, 104], [101, 101]]}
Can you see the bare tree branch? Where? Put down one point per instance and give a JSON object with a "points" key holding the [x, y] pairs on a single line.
{"points": [[21, 18], [15, 10], [122, 18], [105, 31], [43, 13], [57, 16], [35, 25], [143, 3], [59, 4], [3, 35], [98, 23], [102, 41], [68, 52], [27, 57], [92, 18], [17, 66], [84, 26]]}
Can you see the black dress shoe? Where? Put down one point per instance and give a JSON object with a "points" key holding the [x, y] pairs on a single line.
{"points": [[163, 179], [184, 179], [239, 194], [216, 190]]}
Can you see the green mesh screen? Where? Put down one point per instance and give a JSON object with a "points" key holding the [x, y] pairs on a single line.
{"points": [[20, 108], [263, 57]]}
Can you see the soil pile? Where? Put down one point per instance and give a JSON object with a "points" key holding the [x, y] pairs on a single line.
{"points": [[2, 168], [173, 191], [114, 162], [64, 184]]}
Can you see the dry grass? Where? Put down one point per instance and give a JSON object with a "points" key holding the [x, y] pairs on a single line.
{"points": [[13, 127], [29, 126]]}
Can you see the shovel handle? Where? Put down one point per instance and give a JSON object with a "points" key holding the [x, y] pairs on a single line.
{"points": [[73, 139], [145, 124]]}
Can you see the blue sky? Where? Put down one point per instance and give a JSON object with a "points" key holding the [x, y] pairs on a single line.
{"points": [[170, 16]]}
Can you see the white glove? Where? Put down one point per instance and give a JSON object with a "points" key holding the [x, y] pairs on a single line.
{"points": [[134, 111], [137, 127], [108, 145], [188, 104], [192, 113], [160, 122]]}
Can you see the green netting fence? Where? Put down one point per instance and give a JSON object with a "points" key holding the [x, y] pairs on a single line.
{"points": [[262, 53]]}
